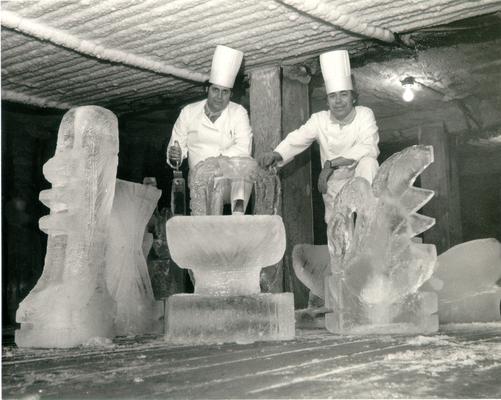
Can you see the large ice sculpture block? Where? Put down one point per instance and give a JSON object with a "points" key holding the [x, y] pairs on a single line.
{"points": [[241, 319], [469, 277], [126, 270], [70, 303], [376, 268], [226, 254]]}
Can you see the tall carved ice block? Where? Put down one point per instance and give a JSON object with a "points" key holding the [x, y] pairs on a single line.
{"points": [[127, 275], [376, 266], [70, 303], [226, 254]]}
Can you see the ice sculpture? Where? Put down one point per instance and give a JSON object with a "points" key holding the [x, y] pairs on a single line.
{"points": [[226, 254], [220, 180], [70, 303], [216, 180], [469, 282], [127, 275], [311, 265], [376, 268]]}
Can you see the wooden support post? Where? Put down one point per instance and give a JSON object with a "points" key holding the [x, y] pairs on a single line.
{"points": [[296, 178], [444, 206], [266, 122], [276, 108], [265, 109]]}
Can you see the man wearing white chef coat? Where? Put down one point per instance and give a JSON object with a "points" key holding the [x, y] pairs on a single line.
{"points": [[347, 134], [215, 126]]}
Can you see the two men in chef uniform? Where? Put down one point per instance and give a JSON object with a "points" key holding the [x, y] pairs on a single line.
{"points": [[347, 134]]}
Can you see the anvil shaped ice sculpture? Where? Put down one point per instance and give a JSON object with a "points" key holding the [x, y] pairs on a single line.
{"points": [[226, 254]]}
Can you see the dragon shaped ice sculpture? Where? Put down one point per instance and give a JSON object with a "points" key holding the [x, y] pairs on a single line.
{"points": [[376, 265]]}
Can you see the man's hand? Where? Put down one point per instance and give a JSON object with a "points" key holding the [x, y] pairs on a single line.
{"points": [[175, 154], [324, 176], [269, 159]]}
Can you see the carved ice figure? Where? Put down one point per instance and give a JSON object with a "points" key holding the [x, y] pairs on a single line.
{"points": [[216, 180], [370, 272], [220, 180], [70, 303], [376, 267], [226, 254], [127, 275], [468, 282]]}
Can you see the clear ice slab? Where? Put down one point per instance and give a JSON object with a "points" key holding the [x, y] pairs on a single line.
{"points": [[127, 274], [467, 281], [70, 302], [226, 254]]}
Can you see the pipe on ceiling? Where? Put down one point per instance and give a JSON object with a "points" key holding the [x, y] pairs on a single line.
{"points": [[62, 38], [329, 14], [16, 97]]}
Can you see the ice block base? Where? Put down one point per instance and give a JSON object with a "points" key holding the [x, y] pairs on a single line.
{"points": [[416, 315], [198, 319]]}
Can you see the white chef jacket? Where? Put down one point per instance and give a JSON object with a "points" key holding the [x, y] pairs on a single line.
{"points": [[200, 138], [355, 140]]}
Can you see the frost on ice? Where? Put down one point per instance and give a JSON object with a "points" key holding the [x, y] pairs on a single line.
{"points": [[70, 303], [127, 275]]}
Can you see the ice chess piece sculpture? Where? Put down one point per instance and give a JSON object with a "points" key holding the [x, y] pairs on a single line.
{"points": [[376, 268], [226, 254], [70, 303], [468, 282], [223, 180], [127, 275]]}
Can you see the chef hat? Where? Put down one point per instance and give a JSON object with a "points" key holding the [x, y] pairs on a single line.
{"points": [[225, 65], [336, 71]]}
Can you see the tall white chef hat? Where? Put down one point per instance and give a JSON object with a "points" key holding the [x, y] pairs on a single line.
{"points": [[225, 65], [336, 70]]}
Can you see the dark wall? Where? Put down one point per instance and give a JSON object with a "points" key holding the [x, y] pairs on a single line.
{"points": [[28, 141]]}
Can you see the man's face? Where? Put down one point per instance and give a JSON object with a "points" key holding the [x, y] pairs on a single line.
{"points": [[340, 103], [218, 97]]}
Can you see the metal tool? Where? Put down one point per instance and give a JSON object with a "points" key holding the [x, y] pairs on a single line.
{"points": [[178, 190]]}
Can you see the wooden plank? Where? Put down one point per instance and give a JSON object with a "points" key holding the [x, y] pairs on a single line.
{"points": [[297, 207], [265, 118], [437, 177], [265, 108]]}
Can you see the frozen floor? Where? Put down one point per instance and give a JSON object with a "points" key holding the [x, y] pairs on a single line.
{"points": [[461, 361]]}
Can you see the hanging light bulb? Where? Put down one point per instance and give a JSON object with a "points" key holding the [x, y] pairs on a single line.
{"points": [[408, 83], [408, 94]]}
